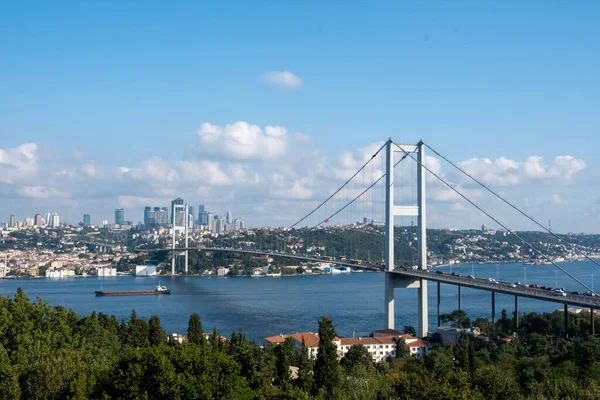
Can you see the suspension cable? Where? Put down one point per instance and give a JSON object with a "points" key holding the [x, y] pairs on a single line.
{"points": [[337, 191], [357, 197], [514, 207], [496, 220]]}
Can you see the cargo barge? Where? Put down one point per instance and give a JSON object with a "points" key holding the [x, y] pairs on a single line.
{"points": [[159, 290]]}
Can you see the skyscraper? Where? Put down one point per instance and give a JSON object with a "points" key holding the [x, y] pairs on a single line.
{"points": [[12, 222], [209, 221], [55, 221], [87, 220], [147, 212], [229, 218], [119, 216], [179, 214], [37, 220], [201, 210]]}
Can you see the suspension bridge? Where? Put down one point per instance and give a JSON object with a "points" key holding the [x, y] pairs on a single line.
{"points": [[385, 193]]}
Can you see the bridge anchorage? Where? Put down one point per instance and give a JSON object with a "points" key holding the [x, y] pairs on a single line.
{"points": [[358, 197]]}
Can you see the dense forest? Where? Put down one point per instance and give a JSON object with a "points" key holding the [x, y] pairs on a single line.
{"points": [[51, 353]]}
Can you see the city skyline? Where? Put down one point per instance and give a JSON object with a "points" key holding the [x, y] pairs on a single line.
{"points": [[482, 85]]}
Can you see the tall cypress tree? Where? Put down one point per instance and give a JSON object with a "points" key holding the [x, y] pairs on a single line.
{"points": [[157, 333], [326, 366], [195, 330], [305, 380], [215, 340]]}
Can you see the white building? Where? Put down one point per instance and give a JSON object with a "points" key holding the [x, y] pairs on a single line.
{"points": [[3, 270], [106, 271], [145, 270], [222, 271], [378, 347], [60, 273]]}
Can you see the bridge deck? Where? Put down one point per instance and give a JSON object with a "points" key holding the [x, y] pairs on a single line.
{"points": [[502, 287], [477, 283]]}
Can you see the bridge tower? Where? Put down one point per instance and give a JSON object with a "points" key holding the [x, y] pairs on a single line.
{"points": [[185, 209], [418, 210]]}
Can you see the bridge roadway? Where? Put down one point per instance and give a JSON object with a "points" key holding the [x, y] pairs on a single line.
{"points": [[580, 300]]}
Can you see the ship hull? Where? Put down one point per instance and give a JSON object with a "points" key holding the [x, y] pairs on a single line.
{"points": [[132, 293]]}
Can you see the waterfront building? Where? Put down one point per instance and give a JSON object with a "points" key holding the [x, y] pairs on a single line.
{"points": [[119, 216], [87, 220], [222, 271], [4, 269], [145, 270], [106, 271]]}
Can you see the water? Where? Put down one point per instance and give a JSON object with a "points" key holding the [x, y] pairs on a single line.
{"points": [[264, 307]]}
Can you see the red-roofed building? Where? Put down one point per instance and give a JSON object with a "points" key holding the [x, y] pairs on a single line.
{"points": [[378, 347]]}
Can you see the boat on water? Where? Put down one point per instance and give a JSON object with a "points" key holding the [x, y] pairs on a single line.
{"points": [[160, 289]]}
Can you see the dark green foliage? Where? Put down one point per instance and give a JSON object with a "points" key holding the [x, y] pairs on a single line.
{"points": [[51, 353], [326, 369], [409, 330], [357, 356], [157, 334], [195, 330], [402, 349]]}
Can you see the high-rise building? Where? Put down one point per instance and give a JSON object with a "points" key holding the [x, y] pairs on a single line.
{"points": [[87, 220], [178, 216], [201, 210], [163, 217], [28, 221], [12, 222], [209, 221], [219, 226], [229, 218], [37, 220], [55, 221], [48, 218], [147, 216], [119, 216]]}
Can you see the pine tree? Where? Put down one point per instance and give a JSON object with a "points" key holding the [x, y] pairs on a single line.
{"points": [[305, 381], [326, 366], [402, 349], [195, 331], [215, 340], [157, 333]]}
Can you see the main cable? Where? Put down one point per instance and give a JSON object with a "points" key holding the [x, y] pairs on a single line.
{"points": [[357, 197], [496, 221], [344, 185], [514, 207]]}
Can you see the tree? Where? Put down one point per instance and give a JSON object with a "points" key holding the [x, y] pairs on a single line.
{"points": [[326, 366], [356, 355], [409, 330], [284, 357], [215, 340], [402, 349], [195, 331], [305, 376], [139, 331], [157, 333]]}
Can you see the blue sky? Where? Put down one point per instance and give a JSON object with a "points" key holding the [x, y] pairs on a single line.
{"points": [[116, 84]]}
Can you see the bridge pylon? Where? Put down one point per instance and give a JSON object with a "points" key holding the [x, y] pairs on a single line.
{"points": [[419, 210]]}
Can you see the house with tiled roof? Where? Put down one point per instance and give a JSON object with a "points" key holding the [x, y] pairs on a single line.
{"points": [[378, 347]]}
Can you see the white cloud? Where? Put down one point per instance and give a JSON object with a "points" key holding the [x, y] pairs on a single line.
{"points": [[18, 163], [506, 172], [89, 170], [556, 199], [282, 79], [41, 192], [298, 191], [243, 141], [302, 138], [134, 201]]}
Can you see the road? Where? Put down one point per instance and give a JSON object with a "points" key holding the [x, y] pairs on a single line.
{"points": [[502, 287]]}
